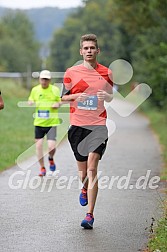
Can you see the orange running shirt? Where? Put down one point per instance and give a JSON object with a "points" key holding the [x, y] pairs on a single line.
{"points": [[79, 79]]}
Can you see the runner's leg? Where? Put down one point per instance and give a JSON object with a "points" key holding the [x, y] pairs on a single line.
{"points": [[93, 160], [51, 148], [39, 151], [82, 169]]}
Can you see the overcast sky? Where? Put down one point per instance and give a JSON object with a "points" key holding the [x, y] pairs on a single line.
{"points": [[27, 4]]}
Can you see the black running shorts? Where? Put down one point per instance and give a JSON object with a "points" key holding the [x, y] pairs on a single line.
{"points": [[50, 132], [86, 139]]}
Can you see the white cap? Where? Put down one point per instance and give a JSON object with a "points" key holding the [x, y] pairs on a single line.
{"points": [[45, 74]]}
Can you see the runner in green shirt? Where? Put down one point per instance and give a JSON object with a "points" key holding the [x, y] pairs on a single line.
{"points": [[46, 98]]}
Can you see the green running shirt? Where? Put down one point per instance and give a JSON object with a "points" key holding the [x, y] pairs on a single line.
{"points": [[45, 115]]}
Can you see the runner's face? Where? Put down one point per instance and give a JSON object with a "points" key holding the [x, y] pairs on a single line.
{"points": [[44, 83], [89, 51]]}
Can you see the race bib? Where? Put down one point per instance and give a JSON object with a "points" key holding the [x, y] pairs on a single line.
{"points": [[43, 114], [90, 103]]}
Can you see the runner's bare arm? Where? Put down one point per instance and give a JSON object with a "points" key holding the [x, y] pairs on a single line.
{"points": [[73, 97]]}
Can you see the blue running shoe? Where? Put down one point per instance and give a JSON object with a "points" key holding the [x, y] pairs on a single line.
{"points": [[83, 198], [52, 165], [87, 223]]}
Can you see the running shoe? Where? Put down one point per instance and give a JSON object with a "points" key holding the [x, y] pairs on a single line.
{"points": [[87, 223], [42, 172], [83, 197], [52, 164]]}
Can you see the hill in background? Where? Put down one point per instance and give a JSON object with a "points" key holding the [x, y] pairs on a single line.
{"points": [[45, 20]]}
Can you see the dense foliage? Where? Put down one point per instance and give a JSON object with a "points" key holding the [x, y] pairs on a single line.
{"points": [[131, 30], [18, 47]]}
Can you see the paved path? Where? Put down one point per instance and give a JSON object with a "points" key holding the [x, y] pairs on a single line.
{"points": [[48, 219]]}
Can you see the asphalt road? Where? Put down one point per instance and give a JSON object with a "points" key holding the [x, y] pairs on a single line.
{"points": [[44, 214]]}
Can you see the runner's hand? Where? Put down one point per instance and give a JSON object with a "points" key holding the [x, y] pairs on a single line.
{"points": [[30, 103], [101, 95], [81, 97], [56, 105], [104, 96]]}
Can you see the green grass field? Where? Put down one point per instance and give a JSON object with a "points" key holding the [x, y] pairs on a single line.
{"points": [[16, 124]]}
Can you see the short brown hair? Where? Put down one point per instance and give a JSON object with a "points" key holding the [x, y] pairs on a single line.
{"points": [[88, 37]]}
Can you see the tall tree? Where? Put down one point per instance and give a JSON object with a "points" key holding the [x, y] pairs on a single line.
{"points": [[147, 22], [18, 47], [94, 17], [132, 30]]}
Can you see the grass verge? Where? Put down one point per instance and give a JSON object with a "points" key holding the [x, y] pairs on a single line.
{"points": [[158, 241], [158, 122], [16, 124]]}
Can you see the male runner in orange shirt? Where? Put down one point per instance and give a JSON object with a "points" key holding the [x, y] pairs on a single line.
{"points": [[86, 87]]}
